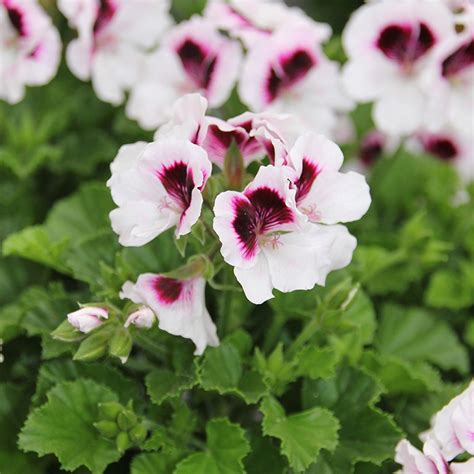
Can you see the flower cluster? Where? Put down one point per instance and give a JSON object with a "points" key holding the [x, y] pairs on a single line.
{"points": [[414, 60], [30, 48], [451, 434], [281, 231]]}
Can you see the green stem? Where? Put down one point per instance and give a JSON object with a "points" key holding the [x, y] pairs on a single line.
{"points": [[305, 335], [273, 333], [227, 304]]}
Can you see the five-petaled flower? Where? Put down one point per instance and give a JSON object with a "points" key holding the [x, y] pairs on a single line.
{"points": [[30, 48], [156, 187], [178, 304], [270, 242], [288, 71], [389, 44], [194, 57], [113, 36]]}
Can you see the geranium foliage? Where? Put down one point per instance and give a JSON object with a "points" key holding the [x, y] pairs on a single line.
{"points": [[235, 239]]}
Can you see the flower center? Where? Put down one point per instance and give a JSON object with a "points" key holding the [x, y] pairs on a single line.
{"points": [[198, 63], [290, 70], [265, 213], [178, 182], [405, 44]]}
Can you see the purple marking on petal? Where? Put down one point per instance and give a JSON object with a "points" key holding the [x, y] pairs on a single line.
{"points": [[15, 15], [371, 147], [294, 67], [265, 212], [196, 62], [441, 146], [405, 44], [168, 290], [178, 181], [105, 13], [459, 60], [244, 225], [271, 209], [304, 183]]}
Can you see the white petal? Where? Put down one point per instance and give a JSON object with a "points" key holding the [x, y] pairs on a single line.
{"points": [[255, 281], [401, 110], [317, 149], [337, 197], [139, 222]]}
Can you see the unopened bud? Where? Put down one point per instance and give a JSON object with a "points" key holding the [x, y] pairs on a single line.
{"points": [[94, 347], [122, 441], [126, 420], [121, 344], [110, 410], [138, 433], [67, 332], [108, 429], [87, 318], [234, 167], [142, 318]]}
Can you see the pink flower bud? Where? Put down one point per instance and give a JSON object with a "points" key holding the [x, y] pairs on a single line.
{"points": [[142, 318], [87, 318]]}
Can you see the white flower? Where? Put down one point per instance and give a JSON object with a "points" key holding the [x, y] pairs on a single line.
{"points": [[178, 304], [269, 242], [157, 186], [453, 426], [449, 146], [289, 73], [413, 461], [195, 57], [388, 45], [449, 82], [255, 20], [30, 48], [142, 318], [113, 36], [255, 134], [87, 318], [323, 193]]}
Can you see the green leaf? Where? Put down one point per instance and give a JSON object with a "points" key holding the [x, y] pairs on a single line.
{"points": [[63, 426], [366, 434], [163, 384], [61, 370], [33, 243], [417, 335], [222, 370], [315, 362], [399, 376], [449, 289], [226, 448], [303, 434], [152, 463]]}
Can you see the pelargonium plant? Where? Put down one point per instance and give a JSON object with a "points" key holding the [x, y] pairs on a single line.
{"points": [[236, 238]]}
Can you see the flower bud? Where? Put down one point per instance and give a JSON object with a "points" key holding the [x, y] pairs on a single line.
{"points": [[67, 333], [138, 433], [110, 410], [142, 318], [126, 420], [121, 344], [95, 346], [108, 429], [87, 318], [122, 441]]}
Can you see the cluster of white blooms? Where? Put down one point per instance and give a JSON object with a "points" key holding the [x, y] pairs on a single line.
{"points": [[30, 48], [414, 59], [282, 231], [451, 435]]}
